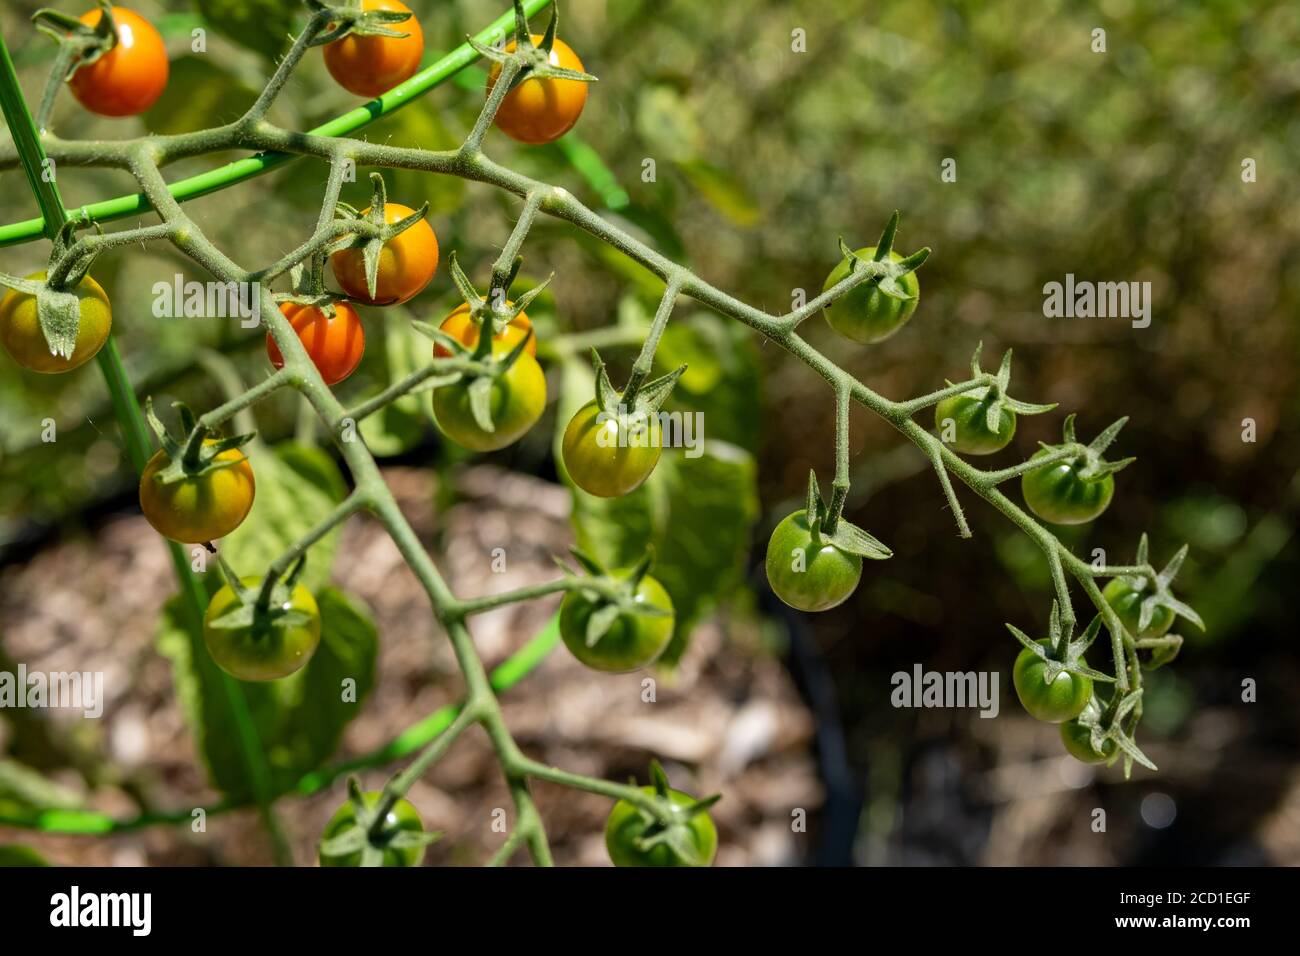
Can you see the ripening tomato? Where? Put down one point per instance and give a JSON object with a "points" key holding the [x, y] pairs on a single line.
{"points": [[20, 328], [970, 434], [406, 263], [402, 816], [633, 640], [805, 576], [627, 824], [371, 65], [197, 510], [269, 652], [1063, 699], [517, 399], [1060, 494], [461, 327], [334, 344], [541, 111], [127, 79], [608, 457]]}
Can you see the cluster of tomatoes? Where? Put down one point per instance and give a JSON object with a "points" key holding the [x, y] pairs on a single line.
{"points": [[211, 497]]}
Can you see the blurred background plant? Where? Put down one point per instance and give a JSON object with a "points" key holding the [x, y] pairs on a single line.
{"points": [[1125, 165]]}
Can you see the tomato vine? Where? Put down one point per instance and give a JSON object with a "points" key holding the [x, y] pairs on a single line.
{"points": [[871, 293]]}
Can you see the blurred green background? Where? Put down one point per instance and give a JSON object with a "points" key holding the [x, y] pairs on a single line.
{"points": [[1123, 165]]}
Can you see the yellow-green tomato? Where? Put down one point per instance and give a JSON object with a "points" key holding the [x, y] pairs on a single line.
{"points": [[516, 402], [20, 328], [626, 825], [402, 816], [806, 575], [632, 641], [268, 652], [200, 509], [866, 314], [608, 454]]}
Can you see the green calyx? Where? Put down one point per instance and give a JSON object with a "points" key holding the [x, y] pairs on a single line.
{"points": [[372, 245], [369, 834], [1090, 458], [534, 59], [194, 454], [636, 402], [671, 825], [832, 529], [82, 44], [264, 609], [348, 18], [881, 269], [994, 397], [613, 596], [1065, 654]]}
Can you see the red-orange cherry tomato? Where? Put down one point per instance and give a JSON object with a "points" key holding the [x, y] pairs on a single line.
{"points": [[127, 79], [540, 111], [463, 329], [334, 344], [406, 264], [371, 65]]}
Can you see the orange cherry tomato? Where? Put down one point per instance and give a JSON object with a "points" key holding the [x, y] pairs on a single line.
{"points": [[540, 111], [127, 79], [463, 329], [335, 345], [371, 65], [195, 510], [406, 264]]}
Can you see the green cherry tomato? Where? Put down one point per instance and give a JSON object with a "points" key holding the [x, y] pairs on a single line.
{"points": [[1078, 743], [1126, 599], [632, 642], [516, 402], [261, 653], [626, 824], [866, 314], [20, 328], [204, 508], [1057, 493], [608, 456], [806, 577], [1063, 699], [969, 430], [402, 816]]}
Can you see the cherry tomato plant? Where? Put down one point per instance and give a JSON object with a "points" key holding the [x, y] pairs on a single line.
{"points": [[488, 390]]}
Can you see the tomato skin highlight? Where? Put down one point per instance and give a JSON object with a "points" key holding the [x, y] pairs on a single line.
{"points": [[130, 77], [1058, 494], [402, 816], [1062, 700], [406, 263], [626, 824], [516, 402], [609, 470], [632, 642], [278, 652], [541, 111], [20, 328], [371, 65], [971, 435], [461, 327], [1077, 740], [198, 510], [866, 315], [1127, 602], [335, 345], [829, 575]]}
